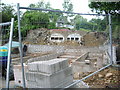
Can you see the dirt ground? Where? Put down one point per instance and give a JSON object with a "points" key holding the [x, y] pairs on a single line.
{"points": [[107, 78]]}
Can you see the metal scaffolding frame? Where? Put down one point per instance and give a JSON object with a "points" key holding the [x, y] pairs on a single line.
{"points": [[9, 52], [110, 38], [9, 49]]}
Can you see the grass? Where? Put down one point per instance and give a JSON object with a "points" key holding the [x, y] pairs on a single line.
{"points": [[87, 30]]}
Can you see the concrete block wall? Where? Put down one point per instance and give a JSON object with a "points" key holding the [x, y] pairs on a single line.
{"points": [[44, 48], [84, 49], [54, 73], [46, 57], [50, 66], [55, 48]]}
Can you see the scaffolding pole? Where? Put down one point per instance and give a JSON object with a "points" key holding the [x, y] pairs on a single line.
{"points": [[60, 11], [9, 53], [20, 48], [5, 24], [110, 38]]}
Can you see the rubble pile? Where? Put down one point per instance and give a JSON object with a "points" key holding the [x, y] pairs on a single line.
{"points": [[94, 39], [109, 77], [38, 36]]}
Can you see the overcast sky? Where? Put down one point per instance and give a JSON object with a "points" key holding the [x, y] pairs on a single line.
{"points": [[80, 6]]}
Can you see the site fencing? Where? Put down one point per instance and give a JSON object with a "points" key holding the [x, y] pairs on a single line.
{"points": [[55, 27], [6, 33]]}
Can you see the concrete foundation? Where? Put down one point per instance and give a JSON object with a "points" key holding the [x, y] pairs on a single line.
{"points": [[18, 74]]}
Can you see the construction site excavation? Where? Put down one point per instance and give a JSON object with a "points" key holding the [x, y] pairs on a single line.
{"points": [[54, 49]]}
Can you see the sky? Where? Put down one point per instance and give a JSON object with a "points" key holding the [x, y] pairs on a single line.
{"points": [[79, 6]]}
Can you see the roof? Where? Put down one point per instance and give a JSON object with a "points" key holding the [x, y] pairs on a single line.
{"points": [[60, 29], [66, 33]]}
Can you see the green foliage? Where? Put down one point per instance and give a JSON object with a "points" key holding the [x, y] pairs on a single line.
{"points": [[33, 20], [54, 15], [107, 7], [7, 12], [98, 24], [87, 30], [112, 8], [67, 6], [82, 23], [41, 4], [51, 25]]}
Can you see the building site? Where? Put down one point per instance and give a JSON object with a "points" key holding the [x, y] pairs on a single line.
{"points": [[44, 47]]}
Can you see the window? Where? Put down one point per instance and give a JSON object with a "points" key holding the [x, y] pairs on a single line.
{"points": [[56, 38], [60, 38], [76, 39], [52, 38], [68, 38], [72, 38]]}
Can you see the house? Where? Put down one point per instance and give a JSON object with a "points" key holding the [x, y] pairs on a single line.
{"points": [[61, 35]]}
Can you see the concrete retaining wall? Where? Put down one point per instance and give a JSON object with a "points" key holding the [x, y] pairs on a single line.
{"points": [[82, 67], [82, 49], [18, 74], [44, 48], [55, 48], [45, 57], [68, 49]]}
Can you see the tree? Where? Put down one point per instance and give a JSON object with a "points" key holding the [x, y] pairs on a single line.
{"points": [[81, 23], [109, 7], [106, 7], [7, 12], [48, 5], [98, 24], [41, 4], [54, 15], [33, 20], [67, 6]]}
